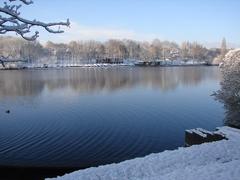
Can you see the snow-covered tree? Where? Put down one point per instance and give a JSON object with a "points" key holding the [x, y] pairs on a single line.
{"points": [[229, 94], [11, 21], [116, 49], [223, 52], [185, 50], [133, 48], [223, 48]]}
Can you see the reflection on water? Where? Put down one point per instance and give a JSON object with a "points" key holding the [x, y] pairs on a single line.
{"points": [[77, 118], [32, 83]]}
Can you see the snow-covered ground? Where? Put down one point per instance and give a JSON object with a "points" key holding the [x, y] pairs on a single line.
{"points": [[209, 161]]}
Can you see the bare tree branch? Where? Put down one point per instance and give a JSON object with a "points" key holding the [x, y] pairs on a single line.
{"points": [[11, 21]]}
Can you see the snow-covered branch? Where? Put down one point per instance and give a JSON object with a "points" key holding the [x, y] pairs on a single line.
{"points": [[23, 1], [11, 21]]}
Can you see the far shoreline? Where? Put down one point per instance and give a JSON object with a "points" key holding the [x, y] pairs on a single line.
{"points": [[104, 66]]}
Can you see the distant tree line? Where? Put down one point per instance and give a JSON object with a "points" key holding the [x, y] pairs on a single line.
{"points": [[112, 50]]}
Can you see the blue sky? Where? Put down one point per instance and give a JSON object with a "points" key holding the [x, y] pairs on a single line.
{"points": [[206, 21]]}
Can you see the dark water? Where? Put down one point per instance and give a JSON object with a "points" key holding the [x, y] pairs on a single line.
{"points": [[77, 118]]}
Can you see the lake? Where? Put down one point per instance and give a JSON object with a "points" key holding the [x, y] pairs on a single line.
{"points": [[83, 117]]}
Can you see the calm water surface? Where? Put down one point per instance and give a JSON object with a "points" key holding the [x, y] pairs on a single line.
{"points": [[87, 117]]}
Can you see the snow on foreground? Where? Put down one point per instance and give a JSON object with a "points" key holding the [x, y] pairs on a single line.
{"points": [[209, 161]]}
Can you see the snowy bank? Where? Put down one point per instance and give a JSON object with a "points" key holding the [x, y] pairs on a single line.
{"points": [[216, 160]]}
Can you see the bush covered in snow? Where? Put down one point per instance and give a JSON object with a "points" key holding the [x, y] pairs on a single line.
{"points": [[230, 87]]}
